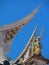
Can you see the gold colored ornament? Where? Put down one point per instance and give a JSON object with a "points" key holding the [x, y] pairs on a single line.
{"points": [[12, 35]]}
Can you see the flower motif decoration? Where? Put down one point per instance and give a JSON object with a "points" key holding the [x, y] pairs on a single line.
{"points": [[11, 33]]}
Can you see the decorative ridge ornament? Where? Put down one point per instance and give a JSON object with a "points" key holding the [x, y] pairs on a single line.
{"points": [[7, 32]]}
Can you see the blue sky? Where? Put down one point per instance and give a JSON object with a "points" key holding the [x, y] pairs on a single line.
{"points": [[13, 10]]}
